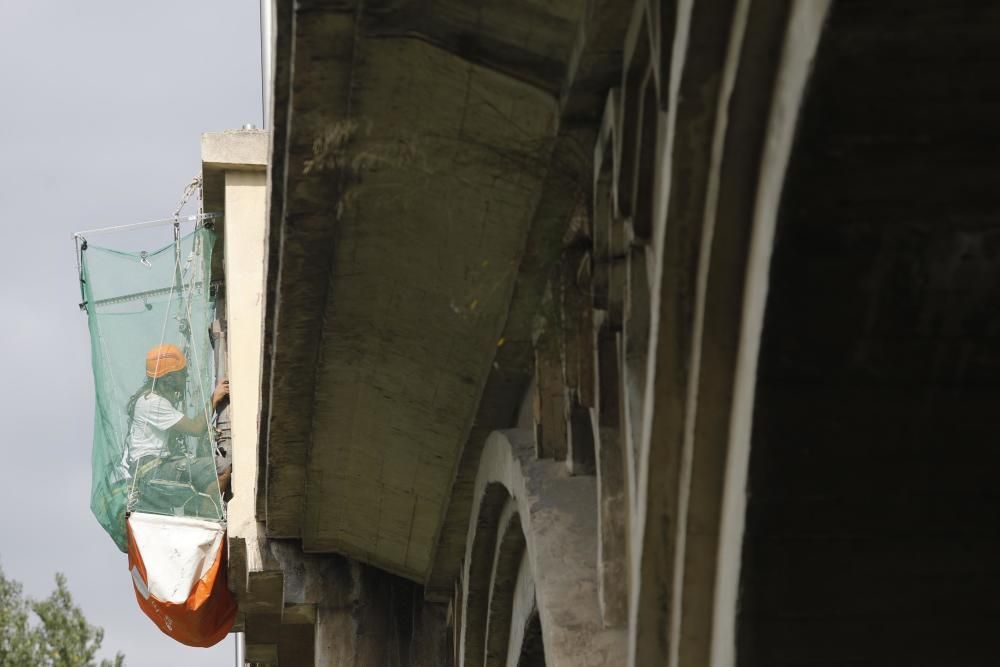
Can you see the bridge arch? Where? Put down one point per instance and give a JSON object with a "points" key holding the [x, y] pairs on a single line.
{"points": [[529, 592]]}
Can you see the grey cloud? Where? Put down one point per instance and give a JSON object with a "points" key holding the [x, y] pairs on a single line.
{"points": [[103, 104]]}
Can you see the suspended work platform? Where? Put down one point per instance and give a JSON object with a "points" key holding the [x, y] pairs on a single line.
{"points": [[159, 474]]}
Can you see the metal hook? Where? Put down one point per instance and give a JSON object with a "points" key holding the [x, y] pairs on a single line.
{"points": [[143, 259]]}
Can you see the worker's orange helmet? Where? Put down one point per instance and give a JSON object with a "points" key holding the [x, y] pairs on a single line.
{"points": [[164, 359]]}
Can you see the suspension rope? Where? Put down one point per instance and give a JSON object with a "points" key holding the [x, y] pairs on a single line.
{"points": [[196, 183], [190, 189], [197, 358], [197, 364], [197, 217], [163, 330], [156, 369]]}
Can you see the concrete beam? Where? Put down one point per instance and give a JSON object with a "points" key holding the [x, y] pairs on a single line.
{"points": [[699, 50], [722, 99], [315, 65], [513, 364], [281, 72], [749, 87], [599, 25]]}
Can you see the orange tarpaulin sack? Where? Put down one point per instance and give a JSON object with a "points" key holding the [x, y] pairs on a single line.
{"points": [[179, 575]]}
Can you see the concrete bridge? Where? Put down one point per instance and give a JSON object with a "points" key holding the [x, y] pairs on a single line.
{"points": [[584, 332]]}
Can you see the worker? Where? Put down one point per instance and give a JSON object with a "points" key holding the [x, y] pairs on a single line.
{"points": [[155, 422]]}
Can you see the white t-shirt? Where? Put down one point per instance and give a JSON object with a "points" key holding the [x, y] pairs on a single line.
{"points": [[152, 418]]}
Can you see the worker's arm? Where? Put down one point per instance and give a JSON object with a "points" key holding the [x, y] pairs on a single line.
{"points": [[198, 425]]}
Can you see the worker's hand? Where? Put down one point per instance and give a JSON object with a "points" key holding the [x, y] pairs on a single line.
{"points": [[221, 391]]}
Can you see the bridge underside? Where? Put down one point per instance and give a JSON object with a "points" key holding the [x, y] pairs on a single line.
{"points": [[872, 535], [557, 219], [422, 178]]}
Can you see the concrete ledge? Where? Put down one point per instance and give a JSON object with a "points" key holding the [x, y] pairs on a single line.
{"points": [[235, 149]]}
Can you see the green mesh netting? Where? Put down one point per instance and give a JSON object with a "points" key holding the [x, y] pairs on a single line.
{"points": [[138, 301]]}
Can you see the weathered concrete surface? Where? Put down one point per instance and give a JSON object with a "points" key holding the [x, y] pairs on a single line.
{"points": [[235, 150], [299, 244], [556, 515], [594, 66], [221, 152], [283, 38], [870, 479], [422, 273], [234, 184], [244, 252], [237, 189], [362, 616], [443, 170], [524, 615], [716, 217], [412, 142]]}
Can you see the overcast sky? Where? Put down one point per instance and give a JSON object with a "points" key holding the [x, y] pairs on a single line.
{"points": [[101, 108]]}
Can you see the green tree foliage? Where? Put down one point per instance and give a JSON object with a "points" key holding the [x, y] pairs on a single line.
{"points": [[48, 633]]}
